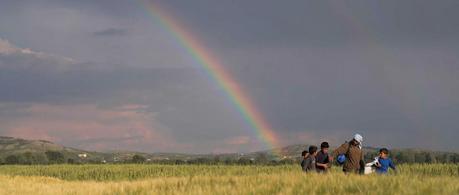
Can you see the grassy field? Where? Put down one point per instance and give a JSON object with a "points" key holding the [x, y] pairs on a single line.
{"points": [[195, 179]]}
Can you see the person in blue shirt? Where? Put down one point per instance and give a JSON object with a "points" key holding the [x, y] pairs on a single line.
{"points": [[384, 162]]}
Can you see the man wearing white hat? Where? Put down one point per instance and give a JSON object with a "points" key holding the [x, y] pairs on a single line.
{"points": [[358, 138], [354, 154]]}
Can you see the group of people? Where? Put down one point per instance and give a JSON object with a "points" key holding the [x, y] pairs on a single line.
{"points": [[349, 154]]}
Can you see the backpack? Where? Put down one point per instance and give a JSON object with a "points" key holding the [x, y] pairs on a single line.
{"points": [[341, 159]]}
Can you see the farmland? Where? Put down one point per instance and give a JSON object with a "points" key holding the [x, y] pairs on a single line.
{"points": [[221, 179]]}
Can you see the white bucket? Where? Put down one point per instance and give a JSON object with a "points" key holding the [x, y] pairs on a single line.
{"points": [[369, 169]]}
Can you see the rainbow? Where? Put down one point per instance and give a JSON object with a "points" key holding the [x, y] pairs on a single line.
{"points": [[217, 72]]}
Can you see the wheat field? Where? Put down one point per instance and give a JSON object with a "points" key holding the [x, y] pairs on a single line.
{"points": [[205, 179]]}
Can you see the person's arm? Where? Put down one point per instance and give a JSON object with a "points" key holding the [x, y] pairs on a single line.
{"points": [[307, 164], [325, 166], [312, 166], [340, 150], [392, 165], [326, 163], [329, 161]]}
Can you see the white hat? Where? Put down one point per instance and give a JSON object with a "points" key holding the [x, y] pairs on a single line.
{"points": [[358, 138]]}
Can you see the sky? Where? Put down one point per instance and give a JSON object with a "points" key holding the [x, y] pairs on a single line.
{"points": [[107, 75]]}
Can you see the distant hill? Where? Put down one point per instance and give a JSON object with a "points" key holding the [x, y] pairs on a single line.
{"points": [[11, 145], [37, 149], [14, 146]]}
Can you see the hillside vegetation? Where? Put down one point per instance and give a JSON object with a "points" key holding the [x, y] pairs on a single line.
{"points": [[21, 151]]}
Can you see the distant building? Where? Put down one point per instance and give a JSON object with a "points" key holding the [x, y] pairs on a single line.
{"points": [[83, 155]]}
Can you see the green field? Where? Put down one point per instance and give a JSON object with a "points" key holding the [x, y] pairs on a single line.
{"points": [[204, 179]]}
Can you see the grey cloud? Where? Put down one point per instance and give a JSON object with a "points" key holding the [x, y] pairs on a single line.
{"points": [[389, 96], [111, 32], [182, 98], [328, 23]]}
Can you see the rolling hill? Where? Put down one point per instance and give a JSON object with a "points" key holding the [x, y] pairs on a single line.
{"points": [[14, 146], [17, 146]]}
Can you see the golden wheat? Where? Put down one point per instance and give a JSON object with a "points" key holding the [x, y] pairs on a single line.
{"points": [[195, 179]]}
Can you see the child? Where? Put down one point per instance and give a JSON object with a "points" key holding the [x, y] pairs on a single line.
{"points": [[322, 158], [384, 162], [304, 154], [309, 164]]}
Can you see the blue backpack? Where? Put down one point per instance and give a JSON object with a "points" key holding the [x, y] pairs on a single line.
{"points": [[341, 159]]}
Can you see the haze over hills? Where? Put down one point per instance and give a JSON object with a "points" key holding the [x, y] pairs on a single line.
{"points": [[17, 146]]}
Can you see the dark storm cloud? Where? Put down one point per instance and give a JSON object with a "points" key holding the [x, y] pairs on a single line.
{"points": [[320, 69], [390, 97], [318, 23]]}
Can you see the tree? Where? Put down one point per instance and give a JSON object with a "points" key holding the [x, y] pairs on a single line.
{"points": [[370, 155], [287, 161], [55, 157], [12, 159], [28, 158], [261, 158], [71, 161], [430, 158], [138, 159], [40, 158], [229, 161], [179, 162], [216, 159], [244, 161], [455, 158], [420, 157], [202, 161]]}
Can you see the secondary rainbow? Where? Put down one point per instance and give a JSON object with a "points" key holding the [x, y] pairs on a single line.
{"points": [[217, 72]]}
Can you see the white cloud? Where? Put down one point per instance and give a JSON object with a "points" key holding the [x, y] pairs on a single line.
{"points": [[6, 48]]}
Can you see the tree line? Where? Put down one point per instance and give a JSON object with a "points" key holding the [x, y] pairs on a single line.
{"points": [[56, 157]]}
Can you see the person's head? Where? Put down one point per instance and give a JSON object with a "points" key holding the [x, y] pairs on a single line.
{"points": [[303, 154], [358, 138], [313, 150], [383, 153], [324, 147]]}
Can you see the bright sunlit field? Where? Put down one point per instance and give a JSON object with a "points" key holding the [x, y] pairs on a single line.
{"points": [[205, 179]]}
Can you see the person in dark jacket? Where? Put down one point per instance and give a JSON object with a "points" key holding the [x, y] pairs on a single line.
{"points": [[354, 155], [322, 159]]}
